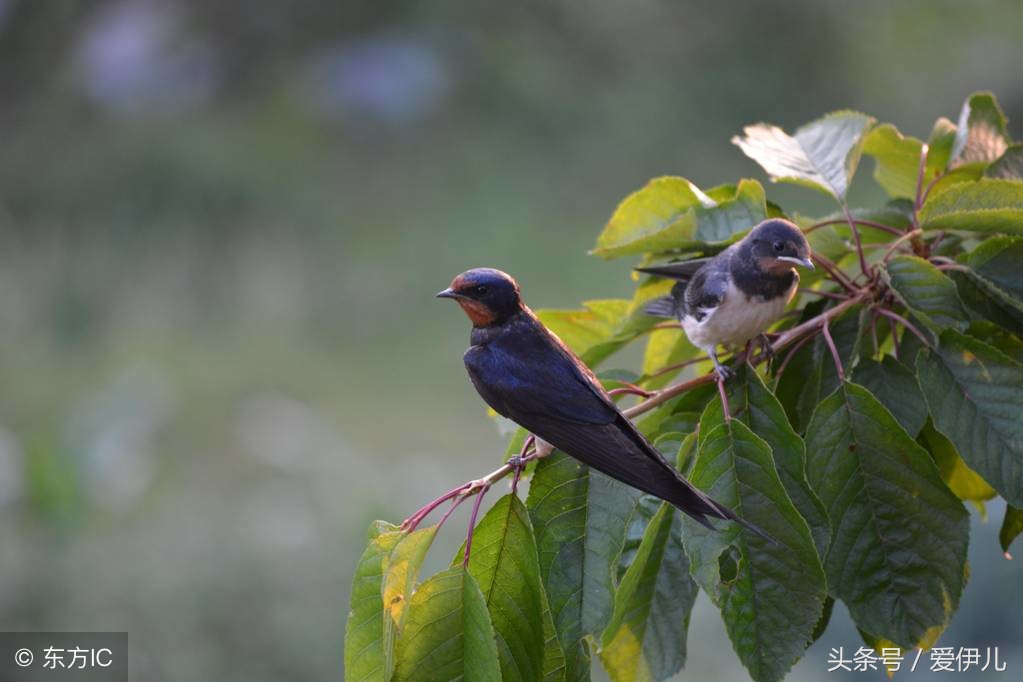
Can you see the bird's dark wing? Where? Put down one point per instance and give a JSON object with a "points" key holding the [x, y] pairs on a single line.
{"points": [[528, 371], [618, 450], [682, 270], [532, 379], [707, 289]]}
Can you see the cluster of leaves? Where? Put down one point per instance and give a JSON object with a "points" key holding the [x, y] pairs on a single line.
{"points": [[895, 397]]}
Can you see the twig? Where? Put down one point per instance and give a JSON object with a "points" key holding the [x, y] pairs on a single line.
{"points": [[724, 399], [865, 223], [825, 294], [523, 458], [834, 351], [679, 365], [895, 337], [472, 523], [630, 389], [895, 244], [873, 335], [856, 238], [834, 272], [788, 356], [953, 266], [892, 315]]}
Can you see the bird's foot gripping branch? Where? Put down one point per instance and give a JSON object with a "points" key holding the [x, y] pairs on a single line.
{"points": [[855, 427]]}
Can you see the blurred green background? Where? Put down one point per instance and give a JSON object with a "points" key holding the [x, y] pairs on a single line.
{"points": [[221, 228]]}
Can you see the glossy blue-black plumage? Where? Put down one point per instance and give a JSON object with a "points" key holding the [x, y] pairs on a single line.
{"points": [[526, 374]]}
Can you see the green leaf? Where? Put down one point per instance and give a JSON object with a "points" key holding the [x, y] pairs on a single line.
{"points": [[895, 386], [973, 392], [553, 656], [771, 595], [448, 634], [1012, 526], [986, 300], [987, 205], [671, 212], [927, 292], [579, 519], [666, 347], [760, 410], [981, 134], [1008, 166], [997, 260], [399, 582], [897, 160], [822, 155], [592, 332], [646, 639], [505, 565], [898, 535], [940, 143], [998, 338], [364, 633], [960, 478]]}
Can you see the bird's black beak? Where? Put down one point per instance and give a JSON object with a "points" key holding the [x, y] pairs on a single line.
{"points": [[449, 293], [804, 262]]}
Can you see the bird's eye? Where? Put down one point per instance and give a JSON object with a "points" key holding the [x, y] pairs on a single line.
{"points": [[779, 246], [481, 290]]}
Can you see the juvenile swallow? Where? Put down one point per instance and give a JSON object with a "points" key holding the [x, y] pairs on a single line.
{"points": [[736, 295], [525, 373]]}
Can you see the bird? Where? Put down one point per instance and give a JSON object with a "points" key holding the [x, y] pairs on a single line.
{"points": [[733, 297], [527, 374]]}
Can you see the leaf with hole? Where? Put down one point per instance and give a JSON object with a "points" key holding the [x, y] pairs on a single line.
{"points": [[758, 408], [771, 594], [646, 638]]}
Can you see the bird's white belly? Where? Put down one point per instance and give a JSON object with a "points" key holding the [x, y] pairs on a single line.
{"points": [[736, 320]]}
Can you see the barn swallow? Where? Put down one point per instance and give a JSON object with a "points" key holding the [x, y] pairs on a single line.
{"points": [[736, 295], [525, 373]]}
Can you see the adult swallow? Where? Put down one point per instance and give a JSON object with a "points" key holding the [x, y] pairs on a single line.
{"points": [[736, 295], [525, 373]]}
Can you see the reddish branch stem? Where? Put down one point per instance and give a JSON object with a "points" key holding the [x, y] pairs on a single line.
{"points": [[866, 223], [834, 350], [472, 523], [856, 238], [834, 272], [892, 315]]}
